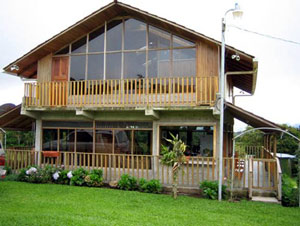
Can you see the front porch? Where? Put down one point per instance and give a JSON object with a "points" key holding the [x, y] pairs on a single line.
{"points": [[247, 174]]}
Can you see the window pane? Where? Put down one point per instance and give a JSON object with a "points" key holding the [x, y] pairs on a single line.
{"points": [[114, 35], [95, 67], [79, 46], [63, 51], [159, 63], [49, 139], [104, 141], [135, 65], [113, 65], [96, 40], [84, 141], [135, 34], [124, 124], [77, 71], [184, 62], [69, 124], [199, 139], [180, 42], [158, 38], [67, 140], [142, 142], [122, 141]]}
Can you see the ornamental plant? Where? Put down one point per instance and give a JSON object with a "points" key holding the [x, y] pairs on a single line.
{"points": [[174, 157], [95, 178], [128, 183], [78, 177]]}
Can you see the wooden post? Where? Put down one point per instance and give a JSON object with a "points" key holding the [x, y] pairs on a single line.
{"points": [[250, 178]]}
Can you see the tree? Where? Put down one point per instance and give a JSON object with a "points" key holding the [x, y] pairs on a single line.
{"points": [[254, 138], [287, 144], [174, 157]]}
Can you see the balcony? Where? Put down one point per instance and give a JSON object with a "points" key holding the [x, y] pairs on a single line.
{"points": [[151, 92]]}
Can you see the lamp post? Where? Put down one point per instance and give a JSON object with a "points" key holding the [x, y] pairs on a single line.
{"points": [[236, 14]]}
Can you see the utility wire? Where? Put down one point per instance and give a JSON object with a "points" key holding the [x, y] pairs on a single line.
{"points": [[265, 35]]}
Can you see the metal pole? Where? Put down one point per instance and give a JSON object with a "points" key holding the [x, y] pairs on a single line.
{"points": [[232, 167], [221, 111]]}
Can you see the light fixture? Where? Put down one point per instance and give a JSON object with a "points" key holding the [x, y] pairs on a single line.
{"points": [[14, 67], [237, 12]]}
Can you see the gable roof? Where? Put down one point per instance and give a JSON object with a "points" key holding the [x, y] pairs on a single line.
{"points": [[27, 63]]}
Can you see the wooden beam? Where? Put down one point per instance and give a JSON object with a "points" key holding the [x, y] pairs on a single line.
{"points": [[152, 113]]}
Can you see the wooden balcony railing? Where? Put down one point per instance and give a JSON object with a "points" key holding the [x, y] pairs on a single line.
{"points": [[183, 91]]}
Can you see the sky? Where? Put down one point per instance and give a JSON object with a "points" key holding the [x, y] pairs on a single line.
{"points": [[25, 24]]}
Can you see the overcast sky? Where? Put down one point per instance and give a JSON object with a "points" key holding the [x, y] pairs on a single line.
{"points": [[25, 24]]}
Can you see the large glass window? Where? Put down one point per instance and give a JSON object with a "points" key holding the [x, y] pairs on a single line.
{"points": [[104, 141], [133, 49], [142, 142], [199, 139], [114, 35], [135, 35], [95, 67], [50, 139], [67, 140], [84, 142], [159, 63], [96, 40], [77, 68], [135, 65], [122, 141]]}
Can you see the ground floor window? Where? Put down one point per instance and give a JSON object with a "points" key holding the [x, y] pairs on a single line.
{"points": [[106, 137], [199, 139]]}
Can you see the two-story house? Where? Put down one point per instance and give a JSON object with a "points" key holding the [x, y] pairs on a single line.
{"points": [[111, 87]]}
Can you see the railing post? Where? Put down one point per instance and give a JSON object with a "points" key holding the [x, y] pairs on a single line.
{"points": [[250, 178]]}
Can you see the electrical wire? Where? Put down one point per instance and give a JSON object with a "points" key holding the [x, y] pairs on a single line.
{"points": [[265, 35]]}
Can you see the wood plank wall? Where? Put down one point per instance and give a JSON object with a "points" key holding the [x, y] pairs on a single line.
{"points": [[44, 69]]}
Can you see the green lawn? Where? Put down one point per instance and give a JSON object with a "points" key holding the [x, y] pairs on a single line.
{"points": [[49, 204]]}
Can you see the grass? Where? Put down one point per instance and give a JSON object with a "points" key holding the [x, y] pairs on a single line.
{"points": [[49, 204]]}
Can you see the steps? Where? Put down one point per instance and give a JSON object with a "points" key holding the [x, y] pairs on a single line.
{"points": [[265, 199]]}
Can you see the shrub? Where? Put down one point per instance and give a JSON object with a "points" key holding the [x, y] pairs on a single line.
{"points": [[151, 186], [63, 178], [78, 177], [8, 169], [95, 178], [210, 189], [127, 182], [289, 192]]}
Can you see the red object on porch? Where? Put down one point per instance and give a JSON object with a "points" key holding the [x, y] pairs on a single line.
{"points": [[53, 154], [2, 161]]}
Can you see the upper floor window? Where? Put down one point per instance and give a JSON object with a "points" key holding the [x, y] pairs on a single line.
{"points": [[129, 48]]}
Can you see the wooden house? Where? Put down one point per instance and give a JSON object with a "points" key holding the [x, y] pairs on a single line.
{"points": [[111, 87]]}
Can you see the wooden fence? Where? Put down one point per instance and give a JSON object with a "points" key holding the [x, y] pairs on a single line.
{"points": [[263, 175], [179, 91]]}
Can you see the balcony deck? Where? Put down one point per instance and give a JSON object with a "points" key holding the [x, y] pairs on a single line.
{"points": [[156, 92]]}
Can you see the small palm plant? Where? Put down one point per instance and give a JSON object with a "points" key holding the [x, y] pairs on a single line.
{"points": [[174, 157]]}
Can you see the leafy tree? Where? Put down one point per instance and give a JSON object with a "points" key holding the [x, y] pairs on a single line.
{"points": [[174, 157], [254, 138], [19, 138]]}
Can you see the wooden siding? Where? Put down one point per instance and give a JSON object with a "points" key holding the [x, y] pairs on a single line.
{"points": [[44, 69]]}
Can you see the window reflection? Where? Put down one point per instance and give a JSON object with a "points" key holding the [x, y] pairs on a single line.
{"points": [[96, 40], [184, 62], [122, 141], [50, 140], [180, 42], [67, 140], [135, 65], [135, 35], [104, 141], [84, 142], [79, 46], [77, 71], [199, 139], [158, 38], [114, 35], [113, 65], [159, 63], [142, 142], [95, 67]]}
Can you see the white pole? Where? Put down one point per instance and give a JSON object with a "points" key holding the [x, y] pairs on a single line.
{"points": [[221, 126]]}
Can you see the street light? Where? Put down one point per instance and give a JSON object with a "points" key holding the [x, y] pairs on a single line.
{"points": [[237, 13]]}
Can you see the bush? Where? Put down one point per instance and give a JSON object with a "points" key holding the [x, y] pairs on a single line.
{"points": [[95, 178], [127, 182], [78, 177], [8, 169], [290, 193], [35, 174], [152, 186], [210, 189], [63, 178]]}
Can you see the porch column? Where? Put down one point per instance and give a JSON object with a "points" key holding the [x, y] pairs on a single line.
{"points": [[155, 150], [38, 139]]}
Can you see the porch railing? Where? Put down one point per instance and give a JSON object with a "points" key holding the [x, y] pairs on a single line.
{"points": [[178, 91], [197, 169]]}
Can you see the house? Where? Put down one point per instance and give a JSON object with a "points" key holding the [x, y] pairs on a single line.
{"points": [[111, 87]]}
